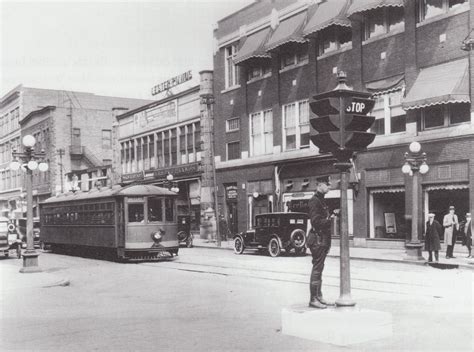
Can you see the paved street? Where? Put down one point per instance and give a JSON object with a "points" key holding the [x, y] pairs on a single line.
{"points": [[209, 299]]}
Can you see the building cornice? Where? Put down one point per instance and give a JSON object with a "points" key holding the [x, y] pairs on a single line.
{"points": [[37, 112]]}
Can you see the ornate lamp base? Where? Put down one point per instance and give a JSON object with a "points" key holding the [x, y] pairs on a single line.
{"points": [[30, 262]]}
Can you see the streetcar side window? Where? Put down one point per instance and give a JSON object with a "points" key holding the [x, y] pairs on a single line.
{"points": [[169, 209], [155, 209], [135, 212]]}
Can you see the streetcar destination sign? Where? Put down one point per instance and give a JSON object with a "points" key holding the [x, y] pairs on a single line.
{"points": [[172, 82]]}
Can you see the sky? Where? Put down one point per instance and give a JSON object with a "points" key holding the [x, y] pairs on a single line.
{"points": [[116, 48]]}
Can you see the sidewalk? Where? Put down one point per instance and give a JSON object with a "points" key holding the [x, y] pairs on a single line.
{"points": [[370, 254], [11, 279]]}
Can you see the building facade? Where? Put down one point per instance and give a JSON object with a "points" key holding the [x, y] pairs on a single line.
{"points": [[272, 57], [75, 131]]}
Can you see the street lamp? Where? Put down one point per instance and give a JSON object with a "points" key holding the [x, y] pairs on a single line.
{"points": [[415, 163], [172, 186], [29, 160]]}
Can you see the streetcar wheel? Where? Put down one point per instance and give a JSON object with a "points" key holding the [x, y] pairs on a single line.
{"points": [[274, 248], [238, 245]]}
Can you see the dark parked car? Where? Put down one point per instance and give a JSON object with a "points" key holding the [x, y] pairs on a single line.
{"points": [[274, 232]]}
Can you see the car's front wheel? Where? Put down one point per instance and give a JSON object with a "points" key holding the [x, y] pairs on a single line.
{"points": [[274, 248], [238, 245]]}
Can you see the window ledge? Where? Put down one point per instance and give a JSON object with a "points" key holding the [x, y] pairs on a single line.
{"points": [[383, 36], [259, 78], [289, 68], [461, 9], [232, 131], [230, 89], [334, 52]]}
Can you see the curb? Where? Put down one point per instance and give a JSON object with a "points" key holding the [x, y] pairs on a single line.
{"points": [[410, 262]]}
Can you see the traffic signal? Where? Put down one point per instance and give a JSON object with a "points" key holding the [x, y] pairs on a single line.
{"points": [[341, 122]]}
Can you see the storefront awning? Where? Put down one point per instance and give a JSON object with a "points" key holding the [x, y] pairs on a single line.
{"points": [[288, 31], [440, 84], [253, 47], [388, 190], [386, 85], [331, 12], [367, 5], [446, 187]]}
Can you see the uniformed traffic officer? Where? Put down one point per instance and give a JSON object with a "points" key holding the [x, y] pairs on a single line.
{"points": [[319, 241]]}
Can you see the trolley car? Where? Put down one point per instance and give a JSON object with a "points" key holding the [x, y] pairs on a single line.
{"points": [[122, 223]]}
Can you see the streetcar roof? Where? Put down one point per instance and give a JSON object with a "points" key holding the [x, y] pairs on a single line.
{"points": [[116, 191]]}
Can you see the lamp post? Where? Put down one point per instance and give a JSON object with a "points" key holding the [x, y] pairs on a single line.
{"points": [[29, 160], [415, 163], [172, 186]]}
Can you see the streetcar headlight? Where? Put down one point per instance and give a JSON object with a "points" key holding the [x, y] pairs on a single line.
{"points": [[156, 236]]}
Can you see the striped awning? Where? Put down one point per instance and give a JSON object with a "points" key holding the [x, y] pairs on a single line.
{"points": [[446, 187], [440, 84], [328, 13], [386, 85], [359, 6], [387, 190], [288, 31], [253, 47]]}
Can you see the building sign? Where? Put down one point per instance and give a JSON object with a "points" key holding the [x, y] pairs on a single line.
{"points": [[135, 176], [181, 170], [231, 192], [160, 115], [172, 82]]}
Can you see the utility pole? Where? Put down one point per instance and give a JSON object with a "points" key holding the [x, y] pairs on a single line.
{"points": [[61, 153]]}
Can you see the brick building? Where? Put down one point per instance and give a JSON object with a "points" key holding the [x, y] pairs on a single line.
{"points": [[272, 57], [74, 129]]}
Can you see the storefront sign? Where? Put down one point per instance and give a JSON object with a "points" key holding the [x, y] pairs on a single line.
{"points": [[172, 82], [182, 170], [135, 176], [231, 192], [160, 115]]}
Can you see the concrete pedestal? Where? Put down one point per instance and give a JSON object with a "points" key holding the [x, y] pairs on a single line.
{"points": [[30, 262], [337, 326], [413, 252]]}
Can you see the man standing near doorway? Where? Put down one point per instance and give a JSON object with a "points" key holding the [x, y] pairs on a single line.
{"points": [[319, 241], [451, 226], [467, 229], [432, 233]]}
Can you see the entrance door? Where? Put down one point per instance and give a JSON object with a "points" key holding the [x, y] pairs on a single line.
{"points": [[232, 218]]}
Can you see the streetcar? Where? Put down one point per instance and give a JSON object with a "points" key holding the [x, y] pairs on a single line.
{"points": [[135, 222]]}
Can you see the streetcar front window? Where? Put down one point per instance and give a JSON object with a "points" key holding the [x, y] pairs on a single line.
{"points": [[155, 209], [136, 212]]}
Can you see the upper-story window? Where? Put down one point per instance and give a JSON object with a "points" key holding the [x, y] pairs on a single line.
{"points": [[261, 133], [389, 115], [257, 70], [383, 20], [233, 150], [444, 115], [232, 125], [231, 70], [106, 139], [296, 125], [431, 8], [297, 55], [334, 38]]}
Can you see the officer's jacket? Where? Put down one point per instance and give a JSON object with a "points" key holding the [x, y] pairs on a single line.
{"points": [[320, 221]]}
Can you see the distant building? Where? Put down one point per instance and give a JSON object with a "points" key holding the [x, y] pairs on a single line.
{"points": [[273, 56], [73, 128]]}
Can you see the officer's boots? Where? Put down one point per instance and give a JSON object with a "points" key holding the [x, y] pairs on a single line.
{"points": [[314, 301], [321, 299]]}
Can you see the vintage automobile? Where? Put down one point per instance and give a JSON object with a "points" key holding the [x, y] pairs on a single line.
{"points": [[184, 230], [274, 232], [9, 239]]}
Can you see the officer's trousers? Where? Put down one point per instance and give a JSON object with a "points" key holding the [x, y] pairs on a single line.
{"points": [[319, 254]]}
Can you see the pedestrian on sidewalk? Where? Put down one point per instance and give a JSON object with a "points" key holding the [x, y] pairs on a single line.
{"points": [[451, 226], [319, 241], [467, 230], [432, 234]]}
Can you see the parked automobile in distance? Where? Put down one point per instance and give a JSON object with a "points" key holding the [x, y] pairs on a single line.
{"points": [[9, 240], [274, 232]]}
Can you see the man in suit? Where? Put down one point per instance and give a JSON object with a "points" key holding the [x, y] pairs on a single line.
{"points": [[451, 226], [319, 241], [432, 234], [467, 229]]}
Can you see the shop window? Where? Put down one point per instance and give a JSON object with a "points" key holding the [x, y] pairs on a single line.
{"points": [[388, 215], [445, 115], [135, 212], [233, 150], [261, 133], [296, 56], [155, 209], [432, 8], [383, 20], [296, 126], [231, 70], [258, 70], [334, 38], [232, 125]]}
